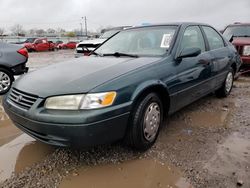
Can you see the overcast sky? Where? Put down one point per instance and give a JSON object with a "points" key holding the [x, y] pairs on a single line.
{"points": [[100, 13]]}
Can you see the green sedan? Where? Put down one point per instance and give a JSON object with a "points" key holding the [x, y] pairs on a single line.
{"points": [[125, 88]]}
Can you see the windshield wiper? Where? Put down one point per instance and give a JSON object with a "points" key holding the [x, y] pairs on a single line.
{"points": [[241, 35], [119, 54], [94, 53]]}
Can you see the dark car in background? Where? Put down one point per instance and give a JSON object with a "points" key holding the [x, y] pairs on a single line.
{"points": [[26, 40], [13, 60], [125, 88], [239, 35]]}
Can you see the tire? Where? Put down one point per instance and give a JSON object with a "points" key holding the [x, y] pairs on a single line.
{"points": [[6, 79], [227, 86], [148, 110]]}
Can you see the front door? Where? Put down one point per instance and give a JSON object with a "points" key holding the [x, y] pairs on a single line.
{"points": [[194, 73]]}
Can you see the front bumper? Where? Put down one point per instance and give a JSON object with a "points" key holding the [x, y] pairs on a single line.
{"points": [[107, 130], [245, 60]]}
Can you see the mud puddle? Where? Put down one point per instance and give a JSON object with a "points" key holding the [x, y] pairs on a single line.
{"points": [[137, 173], [232, 159], [20, 153], [208, 119], [8, 131]]}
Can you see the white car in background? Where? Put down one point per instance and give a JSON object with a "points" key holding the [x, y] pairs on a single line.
{"points": [[87, 46]]}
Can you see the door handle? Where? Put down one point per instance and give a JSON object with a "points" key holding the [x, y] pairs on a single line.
{"points": [[204, 62]]}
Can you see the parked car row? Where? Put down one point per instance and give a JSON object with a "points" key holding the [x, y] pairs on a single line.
{"points": [[43, 44], [125, 87]]}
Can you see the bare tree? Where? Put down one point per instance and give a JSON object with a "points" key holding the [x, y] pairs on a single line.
{"points": [[32, 32], [60, 30], [1, 31], [50, 30], [40, 32], [17, 29]]}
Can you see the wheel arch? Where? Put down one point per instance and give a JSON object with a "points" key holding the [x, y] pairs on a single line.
{"points": [[8, 69], [155, 86], [234, 67]]}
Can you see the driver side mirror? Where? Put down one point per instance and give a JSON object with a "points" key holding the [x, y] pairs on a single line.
{"points": [[189, 52]]}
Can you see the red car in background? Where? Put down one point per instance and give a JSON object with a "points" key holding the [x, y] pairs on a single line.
{"points": [[239, 35], [69, 45], [41, 44], [58, 44]]}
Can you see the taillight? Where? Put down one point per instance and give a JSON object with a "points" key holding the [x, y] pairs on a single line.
{"points": [[24, 52]]}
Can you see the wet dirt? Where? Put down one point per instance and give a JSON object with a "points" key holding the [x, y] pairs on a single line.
{"points": [[134, 174], [21, 153], [204, 145], [7, 130]]}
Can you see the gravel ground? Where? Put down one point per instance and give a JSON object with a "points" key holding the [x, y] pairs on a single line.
{"points": [[208, 142]]}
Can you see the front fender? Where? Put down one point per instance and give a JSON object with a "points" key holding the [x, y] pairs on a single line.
{"points": [[147, 85]]}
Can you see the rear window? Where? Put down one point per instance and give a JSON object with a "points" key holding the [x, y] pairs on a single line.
{"points": [[237, 31], [215, 41]]}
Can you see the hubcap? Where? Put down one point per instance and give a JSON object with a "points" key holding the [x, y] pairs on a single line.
{"points": [[229, 82], [4, 81], [151, 121]]}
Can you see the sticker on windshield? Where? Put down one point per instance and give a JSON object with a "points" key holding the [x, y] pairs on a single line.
{"points": [[166, 39]]}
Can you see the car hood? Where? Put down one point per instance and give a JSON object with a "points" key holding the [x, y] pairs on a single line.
{"points": [[93, 41], [78, 75], [241, 41]]}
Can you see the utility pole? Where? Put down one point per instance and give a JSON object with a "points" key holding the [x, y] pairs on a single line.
{"points": [[85, 23], [86, 29], [81, 29]]}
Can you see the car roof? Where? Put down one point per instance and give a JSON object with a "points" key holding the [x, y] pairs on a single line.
{"points": [[170, 23], [239, 24]]}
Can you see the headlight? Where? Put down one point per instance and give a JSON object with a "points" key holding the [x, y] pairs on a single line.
{"points": [[67, 102], [76, 102], [246, 50]]}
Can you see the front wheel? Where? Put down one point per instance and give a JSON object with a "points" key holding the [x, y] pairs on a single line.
{"points": [[227, 86], [6, 79], [145, 122]]}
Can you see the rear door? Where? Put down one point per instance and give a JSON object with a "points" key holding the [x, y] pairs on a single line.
{"points": [[194, 73], [221, 54]]}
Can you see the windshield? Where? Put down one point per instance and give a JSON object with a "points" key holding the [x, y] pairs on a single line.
{"points": [[237, 31], [149, 41], [108, 34]]}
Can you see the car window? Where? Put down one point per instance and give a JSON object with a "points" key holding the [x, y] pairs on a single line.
{"points": [[38, 41], [192, 38], [237, 31], [148, 41], [215, 41], [108, 34]]}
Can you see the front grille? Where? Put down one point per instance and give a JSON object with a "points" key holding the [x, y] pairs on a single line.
{"points": [[239, 49], [22, 99]]}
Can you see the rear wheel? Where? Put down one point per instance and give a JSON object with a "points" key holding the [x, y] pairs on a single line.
{"points": [[145, 122], [6, 79], [226, 88]]}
